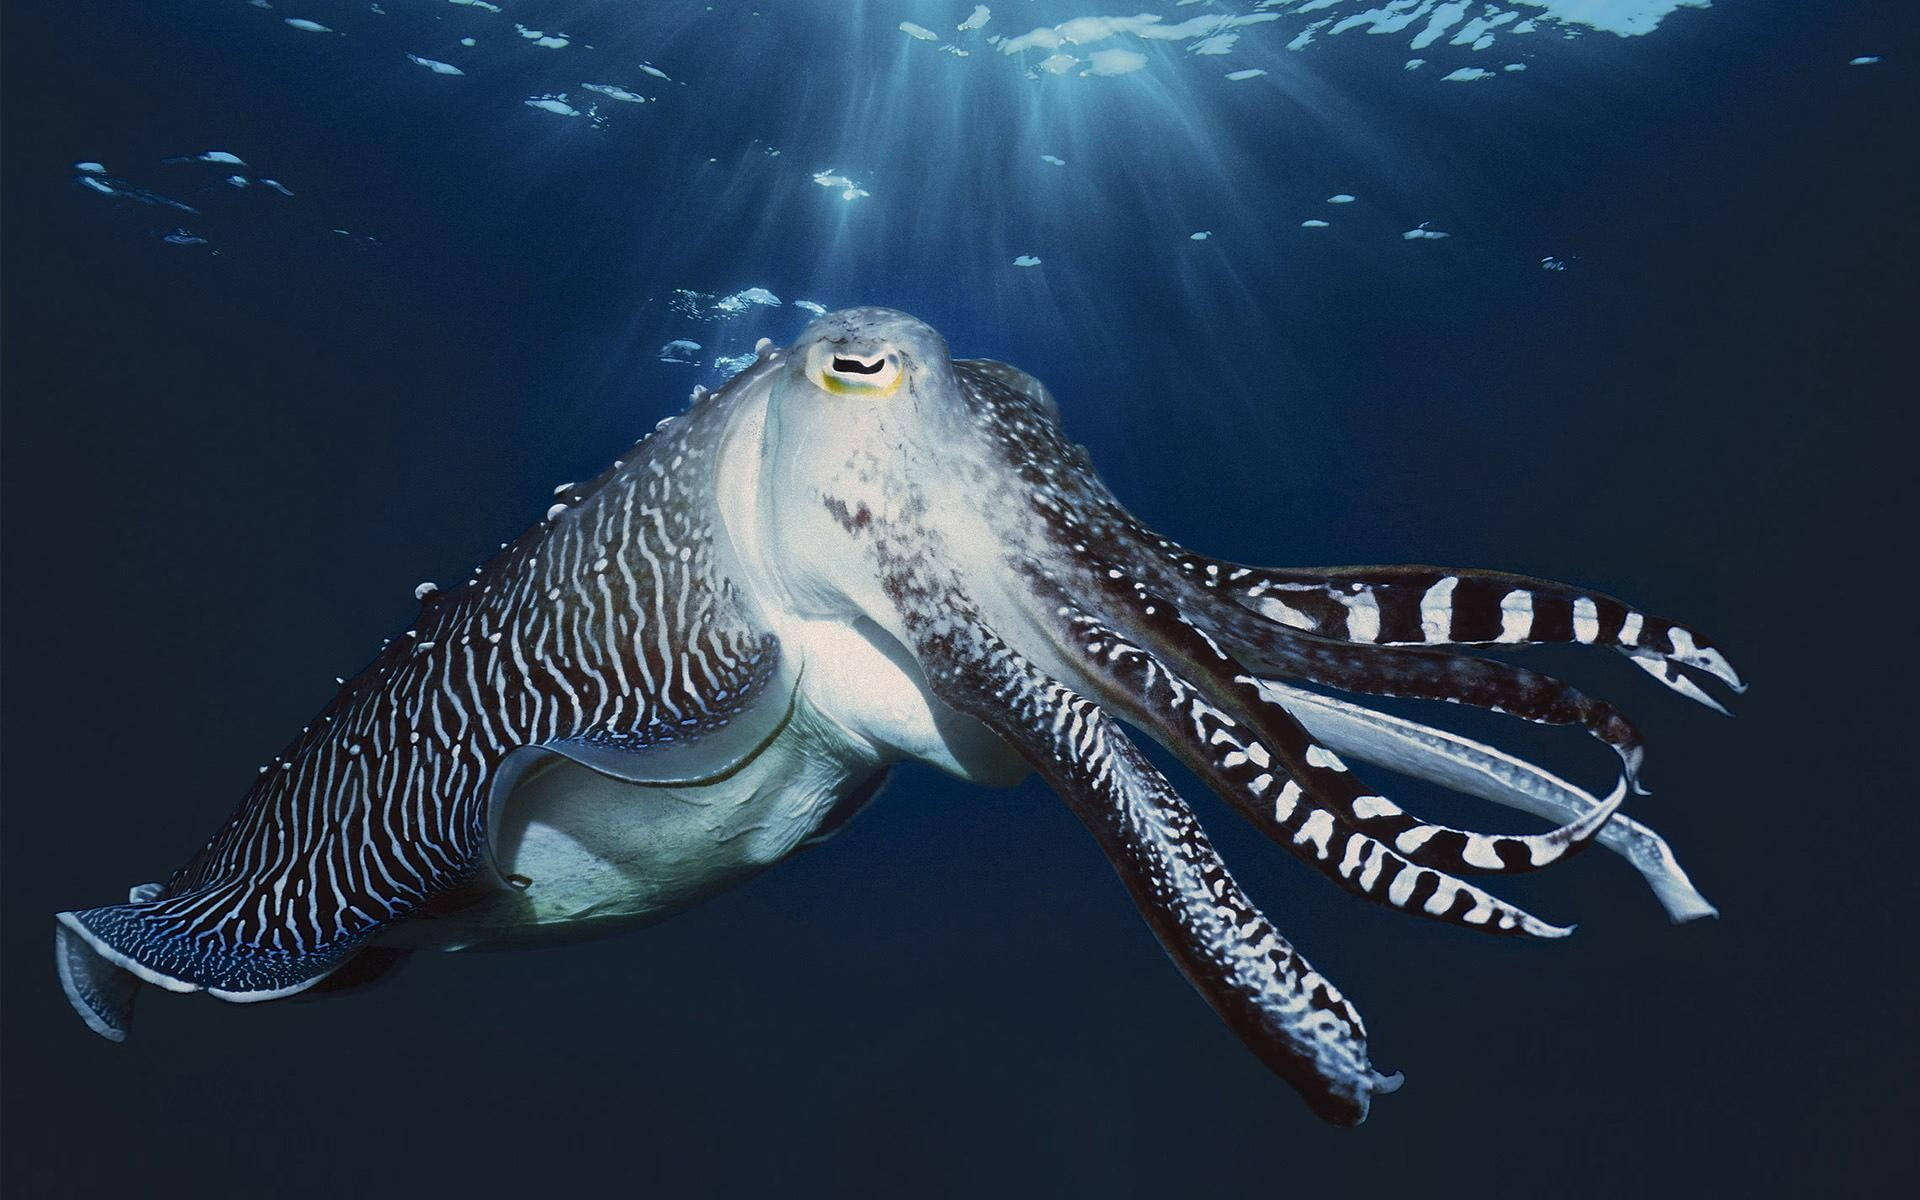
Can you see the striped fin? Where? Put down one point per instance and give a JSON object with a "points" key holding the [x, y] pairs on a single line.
{"points": [[1440, 606], [140, 940]]}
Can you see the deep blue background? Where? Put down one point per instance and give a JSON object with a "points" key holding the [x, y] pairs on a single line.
{"points": [[224, 473]]}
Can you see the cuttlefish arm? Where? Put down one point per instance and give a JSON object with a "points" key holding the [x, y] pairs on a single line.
{"points": [[1287, 1013]]}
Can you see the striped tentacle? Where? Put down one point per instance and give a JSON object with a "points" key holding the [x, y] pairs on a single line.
{"points": [[1298, 792], [1441, 606], [1417, 673], [1288, 1014], [1474, 769]]}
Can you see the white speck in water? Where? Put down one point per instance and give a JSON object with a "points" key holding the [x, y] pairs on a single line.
{"points": [[435, 65]]}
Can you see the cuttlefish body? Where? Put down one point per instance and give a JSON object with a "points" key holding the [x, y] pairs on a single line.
{"points": [[862, 552]]}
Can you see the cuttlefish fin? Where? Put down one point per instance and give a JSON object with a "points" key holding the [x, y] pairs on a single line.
{"points": [[104, 954]]}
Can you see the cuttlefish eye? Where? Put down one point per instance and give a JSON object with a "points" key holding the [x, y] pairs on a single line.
{"points": [[846, 372]]}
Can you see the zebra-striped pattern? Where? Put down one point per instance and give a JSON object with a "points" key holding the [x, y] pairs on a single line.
{"points": [[605, 625], [1257, 757], [1436, 606], [1420, 673]]}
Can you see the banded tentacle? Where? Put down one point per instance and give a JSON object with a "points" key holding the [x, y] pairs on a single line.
{"points": [[1440, 606], [1287, 1013], [1418, 673], [1302, 795]]}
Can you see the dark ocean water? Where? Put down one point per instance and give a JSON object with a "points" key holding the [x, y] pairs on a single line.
{"points": [[227, 463]]}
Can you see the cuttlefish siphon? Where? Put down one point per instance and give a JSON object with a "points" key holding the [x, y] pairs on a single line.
{"points": [[857, 553]]}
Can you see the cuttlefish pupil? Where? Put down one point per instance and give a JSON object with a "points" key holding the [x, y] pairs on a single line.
{"points": [[689, 670], [846, 372]]}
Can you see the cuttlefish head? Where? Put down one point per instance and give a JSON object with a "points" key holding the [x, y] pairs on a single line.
{"points": [[938, 502], [887, 490]]}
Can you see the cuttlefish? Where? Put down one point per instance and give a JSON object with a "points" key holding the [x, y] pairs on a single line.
{"points": [[861, 552]]}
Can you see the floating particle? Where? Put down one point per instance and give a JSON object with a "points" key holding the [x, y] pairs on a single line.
{"points": [[617, 93]]}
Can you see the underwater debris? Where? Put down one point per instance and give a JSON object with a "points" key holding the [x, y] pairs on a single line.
{"points": [[738, 302], [435, 65], [556, 104], [679, 350], [1422, 233], [918, 31], [1054, 159], [1026, 260], [1249, 73], [617, 93], [980, 16], [306, 26], [705, 306], [1314, 223], [1114, 62], [1466, 75], [557, 41], [1340, 198], [849, 189]]}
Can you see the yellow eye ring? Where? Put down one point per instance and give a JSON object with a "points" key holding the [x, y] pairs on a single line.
{"points": [[876, 376]]}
